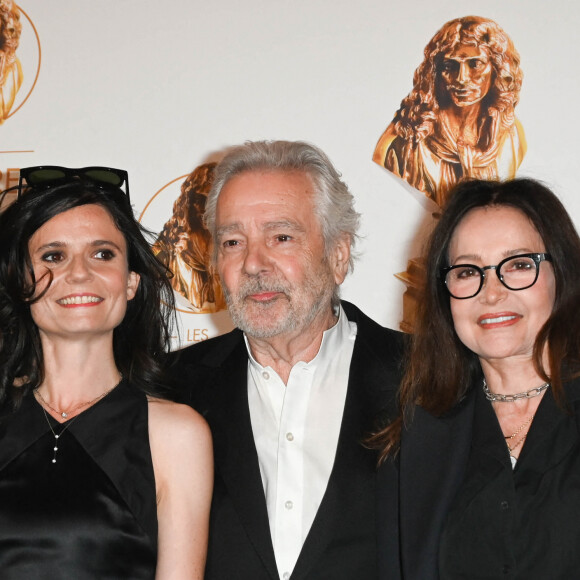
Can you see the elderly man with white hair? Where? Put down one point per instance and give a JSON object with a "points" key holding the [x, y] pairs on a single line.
{"points": [[292, 392]]}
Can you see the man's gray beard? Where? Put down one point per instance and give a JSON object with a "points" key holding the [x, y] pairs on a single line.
{"points": [[294, 318]]}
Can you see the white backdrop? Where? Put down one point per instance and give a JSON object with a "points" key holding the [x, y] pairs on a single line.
{"points": [[159, 87]]}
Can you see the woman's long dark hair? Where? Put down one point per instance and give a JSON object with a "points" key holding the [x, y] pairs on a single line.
{"points": [[440, 368], [140, 342]]}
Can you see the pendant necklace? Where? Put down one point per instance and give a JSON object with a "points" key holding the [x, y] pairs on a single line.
{"points": [[513, 446], [519, 429], [57, 435], [65, 414]]}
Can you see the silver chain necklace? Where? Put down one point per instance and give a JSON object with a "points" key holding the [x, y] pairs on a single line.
{"points": [[498, 398]]}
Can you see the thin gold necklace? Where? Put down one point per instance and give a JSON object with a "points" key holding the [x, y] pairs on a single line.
{"points": [[511, 449], [65, 414], [508, 438], [519, 429]]}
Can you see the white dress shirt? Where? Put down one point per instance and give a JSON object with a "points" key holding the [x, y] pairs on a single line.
{"points": [[296, 428]]}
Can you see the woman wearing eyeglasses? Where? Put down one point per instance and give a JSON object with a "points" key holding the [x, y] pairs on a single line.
{"points": [[480, 474], [99, 476]]}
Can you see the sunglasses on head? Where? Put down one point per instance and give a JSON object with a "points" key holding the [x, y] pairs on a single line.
{"points": [[49, 175]]}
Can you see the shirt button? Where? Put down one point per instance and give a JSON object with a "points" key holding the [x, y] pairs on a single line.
{"points": [[266, 375], [506, 569], [289, 436], [288, 505], [504, 505], [286, 576]]}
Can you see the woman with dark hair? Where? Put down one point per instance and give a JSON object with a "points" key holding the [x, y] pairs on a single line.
{"points": [[482, 467], [101, 477]]}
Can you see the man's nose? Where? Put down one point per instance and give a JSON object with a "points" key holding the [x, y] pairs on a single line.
{"points": [[257, 259]]}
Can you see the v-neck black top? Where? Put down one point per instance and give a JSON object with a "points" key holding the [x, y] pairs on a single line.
{"points": [[523, 523], [92, 514]]}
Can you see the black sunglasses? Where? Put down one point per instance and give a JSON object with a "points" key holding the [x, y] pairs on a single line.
{"points": [[49, 175]]}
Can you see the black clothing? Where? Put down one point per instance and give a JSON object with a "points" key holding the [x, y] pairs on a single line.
{"points": [[526, 519], [450, 506], [92, 514]]}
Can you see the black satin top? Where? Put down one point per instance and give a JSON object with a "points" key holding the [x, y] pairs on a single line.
{"points": [[92, 514]]}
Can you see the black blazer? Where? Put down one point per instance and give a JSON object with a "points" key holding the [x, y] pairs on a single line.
{"points": [[341, 544], [416, 490]]}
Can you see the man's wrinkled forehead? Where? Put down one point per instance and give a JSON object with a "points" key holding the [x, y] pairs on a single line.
{"points": [[275, 188]]}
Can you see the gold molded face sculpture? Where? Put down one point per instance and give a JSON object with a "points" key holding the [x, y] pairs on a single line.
{"points": [[10, 68], [184, 245], [458, 121]]}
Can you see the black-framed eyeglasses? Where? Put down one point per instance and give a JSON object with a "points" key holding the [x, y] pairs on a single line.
{"points": [[49, 175], [515, 273]]}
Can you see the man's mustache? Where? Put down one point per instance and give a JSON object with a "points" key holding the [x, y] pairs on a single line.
{"points": [[252, 286]]}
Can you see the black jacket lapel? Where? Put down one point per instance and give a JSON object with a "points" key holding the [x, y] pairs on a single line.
{"points": [[371, 385], [236, 459]]}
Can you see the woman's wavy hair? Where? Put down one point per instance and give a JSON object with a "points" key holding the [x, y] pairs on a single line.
{"points": [[140, 342], [416, 117], [440, 368]]}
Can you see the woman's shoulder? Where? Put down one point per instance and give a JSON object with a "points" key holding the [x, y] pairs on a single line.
{"points": [[175, 418], [181, 447]]}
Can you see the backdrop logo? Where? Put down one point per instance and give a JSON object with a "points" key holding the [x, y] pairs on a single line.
{"points": [[20, 57], [183, 243], [458, 121]]}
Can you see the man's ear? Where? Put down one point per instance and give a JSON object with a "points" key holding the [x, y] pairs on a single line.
{"points": [[339, 258]]}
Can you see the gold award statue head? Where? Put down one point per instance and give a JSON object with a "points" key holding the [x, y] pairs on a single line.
{"points": [[184, 245], [458, 121], [10, 68]]}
